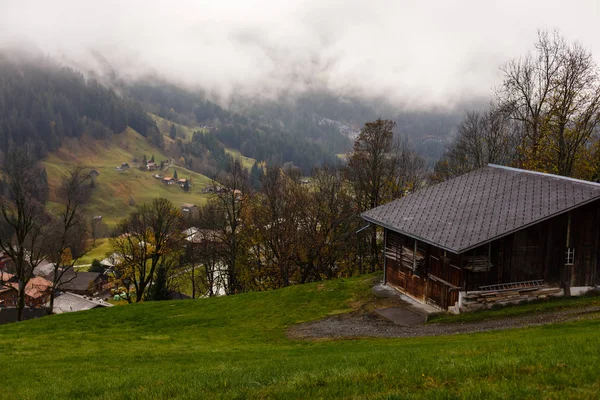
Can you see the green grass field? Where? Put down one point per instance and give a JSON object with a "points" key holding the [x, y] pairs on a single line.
{"points": [[116, 191], [236, 347], [98, 252]]}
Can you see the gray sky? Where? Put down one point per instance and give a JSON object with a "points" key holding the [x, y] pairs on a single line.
{"points": [[416, 53]]}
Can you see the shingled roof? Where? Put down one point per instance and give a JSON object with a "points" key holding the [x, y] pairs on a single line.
{"points": [[476, 208]]}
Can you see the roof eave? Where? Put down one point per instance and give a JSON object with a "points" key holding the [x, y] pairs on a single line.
{"points": [[387, 226], [463, 250]]}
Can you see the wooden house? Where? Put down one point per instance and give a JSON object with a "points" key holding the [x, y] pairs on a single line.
{"points": [[496, 235], [168, 180], [37, 291]]}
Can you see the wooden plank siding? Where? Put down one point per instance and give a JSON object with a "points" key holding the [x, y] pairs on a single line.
{"points": [[536, 252]]}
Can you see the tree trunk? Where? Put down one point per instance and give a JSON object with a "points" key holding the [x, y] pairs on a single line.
{"points": [[50, 308], [21, 300]]}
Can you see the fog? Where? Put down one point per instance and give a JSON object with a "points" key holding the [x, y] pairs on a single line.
{"points": [[414, 53]]}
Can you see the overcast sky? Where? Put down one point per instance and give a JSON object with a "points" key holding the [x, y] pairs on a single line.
{"points": [[417, 53]]}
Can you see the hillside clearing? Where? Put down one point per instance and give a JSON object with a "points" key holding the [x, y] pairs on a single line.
{"points": [[236, 347], [116, 192]]}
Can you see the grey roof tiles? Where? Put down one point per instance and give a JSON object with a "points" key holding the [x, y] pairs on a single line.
{"points": [[478, 207]]}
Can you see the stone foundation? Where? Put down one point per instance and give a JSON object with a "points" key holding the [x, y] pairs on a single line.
{"points": [[471, 301]]}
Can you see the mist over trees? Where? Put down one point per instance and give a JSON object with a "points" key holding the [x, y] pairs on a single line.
{"points": [[41, 104]]}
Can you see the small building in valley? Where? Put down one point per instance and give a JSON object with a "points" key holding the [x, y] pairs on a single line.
{"points": [[71, 302], [189, 210], [83, 283], [496, 235]]}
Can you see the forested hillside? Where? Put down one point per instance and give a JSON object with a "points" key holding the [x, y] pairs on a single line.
{"points": [[257, 136], [42, 103]]}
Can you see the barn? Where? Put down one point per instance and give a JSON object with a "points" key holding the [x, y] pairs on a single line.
{"points": [[497, 235]]}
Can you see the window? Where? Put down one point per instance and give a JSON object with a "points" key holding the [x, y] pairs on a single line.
{"points": [[570, 259]]}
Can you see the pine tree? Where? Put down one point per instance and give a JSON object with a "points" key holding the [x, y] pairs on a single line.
{"points": [[186, 186], [159, 290], [173, 132], [175, 175], [152, 158], [144, 161]]}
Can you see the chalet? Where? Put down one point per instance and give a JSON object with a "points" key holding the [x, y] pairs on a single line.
{"points": [[168, 180], [181, 182], [496, 235], [151, 166]]}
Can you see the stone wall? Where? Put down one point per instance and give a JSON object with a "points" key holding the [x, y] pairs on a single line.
{"points": [[471, 301]]}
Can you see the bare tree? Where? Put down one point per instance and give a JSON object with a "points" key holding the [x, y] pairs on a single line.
{"points": [[527, 86], [371, 171], [482, 138], [150, 235], [555, 94], [274, 216], [68, 233], [327, 221], [411, 170], [574, 108], [23, 220], [230, 201]]}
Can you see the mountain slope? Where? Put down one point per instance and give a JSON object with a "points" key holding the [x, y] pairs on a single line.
{"points": [[236, 347], [117, 191]]}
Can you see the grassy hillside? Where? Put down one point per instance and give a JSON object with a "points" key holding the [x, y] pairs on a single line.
{"points": [[236, 347], [116, 191]]}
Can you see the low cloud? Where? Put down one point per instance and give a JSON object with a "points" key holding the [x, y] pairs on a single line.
{"points": [[416, 54]]}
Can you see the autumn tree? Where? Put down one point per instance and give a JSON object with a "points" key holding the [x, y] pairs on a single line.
{"points": [[23, 220], [371, 171], [150, 235], [273, 225], [326, 221]]}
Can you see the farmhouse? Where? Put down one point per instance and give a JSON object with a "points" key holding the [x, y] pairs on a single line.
{"points": [[168, 180], [37, 291], [496, 235], [83, 283]]}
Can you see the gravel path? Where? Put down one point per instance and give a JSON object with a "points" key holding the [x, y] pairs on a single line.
{"points": [[355, 325]]}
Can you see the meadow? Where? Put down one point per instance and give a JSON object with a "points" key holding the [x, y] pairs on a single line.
{"points": [[237, 347]]}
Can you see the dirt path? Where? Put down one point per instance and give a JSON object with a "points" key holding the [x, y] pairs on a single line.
{"points": [[355, 325]]}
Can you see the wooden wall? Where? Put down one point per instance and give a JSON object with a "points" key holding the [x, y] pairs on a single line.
{"points": [[537, 252]]}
